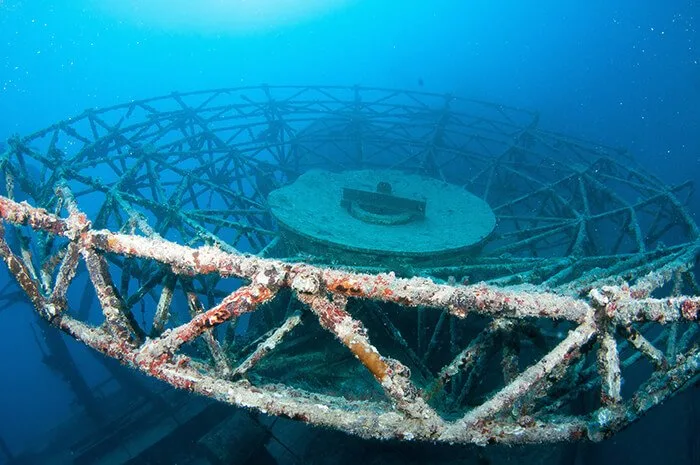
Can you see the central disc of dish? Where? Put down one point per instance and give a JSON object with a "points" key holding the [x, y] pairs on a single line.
{"points": [[381, 213]]}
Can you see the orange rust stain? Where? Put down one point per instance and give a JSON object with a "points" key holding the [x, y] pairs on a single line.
{"points": [[369, 358], [346, 286], [689, 309]]}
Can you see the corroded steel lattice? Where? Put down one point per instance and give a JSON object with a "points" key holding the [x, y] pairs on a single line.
{"points": [[157, 210]]}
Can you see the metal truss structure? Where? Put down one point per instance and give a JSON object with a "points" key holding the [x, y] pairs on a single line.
{"points": [[158, 208]]}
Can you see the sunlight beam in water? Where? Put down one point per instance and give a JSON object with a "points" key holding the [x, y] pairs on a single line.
{"points": [[220, 16]]}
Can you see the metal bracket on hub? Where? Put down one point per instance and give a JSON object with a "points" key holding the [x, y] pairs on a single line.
{"points": [[382, 207]]}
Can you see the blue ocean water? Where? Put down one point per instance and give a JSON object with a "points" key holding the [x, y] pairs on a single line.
{"points": [[623, 73]]}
